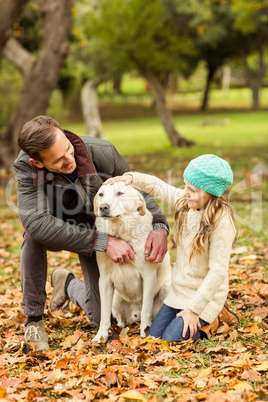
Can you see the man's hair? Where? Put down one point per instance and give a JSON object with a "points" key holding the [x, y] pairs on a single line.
{"points": [[38, 134]]}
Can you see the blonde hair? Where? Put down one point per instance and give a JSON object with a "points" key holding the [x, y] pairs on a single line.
{"points": [[215, 208]]}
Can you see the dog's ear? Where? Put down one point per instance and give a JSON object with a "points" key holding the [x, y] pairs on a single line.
{"points": [[95, 205], [141, 205]]}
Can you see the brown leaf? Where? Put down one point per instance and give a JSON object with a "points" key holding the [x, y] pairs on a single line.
{"points": [[110, 378], [261, 312], [251, 375]]}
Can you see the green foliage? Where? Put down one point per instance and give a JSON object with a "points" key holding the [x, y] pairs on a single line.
{"points": [[138, 36], [251, 16]]}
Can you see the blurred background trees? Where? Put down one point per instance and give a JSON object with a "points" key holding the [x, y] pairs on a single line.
{"points": [[58, 57]]}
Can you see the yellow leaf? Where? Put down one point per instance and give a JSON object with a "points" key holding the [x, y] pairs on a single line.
{"points": [[255, 329], [133, 395], [262, 367], [204, 373], [243, 385], [251, 257]]}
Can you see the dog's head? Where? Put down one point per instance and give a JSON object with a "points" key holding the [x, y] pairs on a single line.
{"points": [[114, 200]]}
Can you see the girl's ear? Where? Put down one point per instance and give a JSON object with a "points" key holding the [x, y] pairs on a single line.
{"points": [[36, 163]]}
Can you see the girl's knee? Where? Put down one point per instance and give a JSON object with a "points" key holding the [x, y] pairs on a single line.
{"points": [[173, 333]]}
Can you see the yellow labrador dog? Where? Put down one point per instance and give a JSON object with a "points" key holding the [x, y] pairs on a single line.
{"points": [[136, 290]]}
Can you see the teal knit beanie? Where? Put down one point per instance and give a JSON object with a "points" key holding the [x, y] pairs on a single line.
{"points": [[209, 173]]}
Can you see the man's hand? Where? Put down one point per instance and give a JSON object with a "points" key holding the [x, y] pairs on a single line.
{"points": [[156, 246], [119, 250], [191, 321]]}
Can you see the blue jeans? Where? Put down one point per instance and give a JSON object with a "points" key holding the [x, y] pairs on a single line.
{"points": [[170, 328]]}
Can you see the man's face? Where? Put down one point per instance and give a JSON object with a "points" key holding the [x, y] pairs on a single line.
{"points": [[59, 158]]}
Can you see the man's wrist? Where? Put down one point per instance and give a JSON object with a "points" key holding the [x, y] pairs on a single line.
{"points": [[161, 225]]}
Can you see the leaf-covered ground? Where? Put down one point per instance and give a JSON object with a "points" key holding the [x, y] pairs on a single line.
{"points": [[232, 366]]}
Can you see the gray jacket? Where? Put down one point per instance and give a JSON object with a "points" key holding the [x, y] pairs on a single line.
{"points": [[59, 213]]}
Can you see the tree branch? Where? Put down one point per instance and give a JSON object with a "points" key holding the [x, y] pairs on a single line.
{"points": [[9, 11], [18, 56]]}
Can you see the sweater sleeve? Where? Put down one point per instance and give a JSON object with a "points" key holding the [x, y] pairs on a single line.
{"points": [[157, 188], [220, 247]]}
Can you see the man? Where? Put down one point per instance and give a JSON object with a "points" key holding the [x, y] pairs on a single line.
{"points": [[58, 175]]}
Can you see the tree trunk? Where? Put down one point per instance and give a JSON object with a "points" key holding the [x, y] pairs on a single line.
{"points": [[210, 76], [117, 85], [255, 88], [42, 77], [255, 79], [226, 80], [9, 11], [164, 114], [90, 108]]}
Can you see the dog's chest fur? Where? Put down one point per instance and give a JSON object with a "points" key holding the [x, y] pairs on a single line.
{"points": [[134, 229]]}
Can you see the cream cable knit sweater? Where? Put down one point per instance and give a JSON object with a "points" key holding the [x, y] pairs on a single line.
{"points": [[202, 283]]}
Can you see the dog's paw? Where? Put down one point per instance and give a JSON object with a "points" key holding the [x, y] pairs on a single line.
{"points": [[101, 337], [142, 333], [144, 330]]}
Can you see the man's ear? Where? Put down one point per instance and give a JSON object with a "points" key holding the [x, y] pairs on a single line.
{"points": [[36, 163]]}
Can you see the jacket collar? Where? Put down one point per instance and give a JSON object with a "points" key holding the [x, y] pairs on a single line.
{"points": [[85, 166]]}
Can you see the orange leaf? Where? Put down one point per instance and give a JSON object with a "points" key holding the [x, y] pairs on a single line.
{"points": [[63, 363], [2, 392]]}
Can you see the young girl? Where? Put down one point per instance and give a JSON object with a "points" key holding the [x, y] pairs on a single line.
{"points": [[204, 234]]}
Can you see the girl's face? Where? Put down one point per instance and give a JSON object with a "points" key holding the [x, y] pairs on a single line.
{"points": [[195, 197]]}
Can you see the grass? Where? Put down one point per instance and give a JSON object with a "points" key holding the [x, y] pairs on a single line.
{"points": [[146, 135]]}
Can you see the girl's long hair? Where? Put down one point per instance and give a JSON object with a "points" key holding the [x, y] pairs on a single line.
{"points": [[214, 210]]}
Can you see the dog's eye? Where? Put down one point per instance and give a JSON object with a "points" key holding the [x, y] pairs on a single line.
{"points": [[100, 194], [119, 193]]}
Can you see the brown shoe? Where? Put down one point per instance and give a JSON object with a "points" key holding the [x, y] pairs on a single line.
{"points": [[35, 332], [210, 329], [227, 316]]}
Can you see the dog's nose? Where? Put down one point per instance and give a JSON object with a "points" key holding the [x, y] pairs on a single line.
{"points": [[104, 209]]}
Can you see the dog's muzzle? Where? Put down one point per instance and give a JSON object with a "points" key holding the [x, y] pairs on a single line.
{"points": [[104, 210]]}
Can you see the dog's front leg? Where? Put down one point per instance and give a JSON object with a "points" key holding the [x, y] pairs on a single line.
{"points": [[106, 296], [149, 286]]}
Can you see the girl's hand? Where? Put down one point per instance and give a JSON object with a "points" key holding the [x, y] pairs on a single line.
{"points": [[127, 179], [191, 321]]}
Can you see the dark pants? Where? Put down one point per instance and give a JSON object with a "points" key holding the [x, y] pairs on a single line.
{"points": [[170, 328], [84, 294]]}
